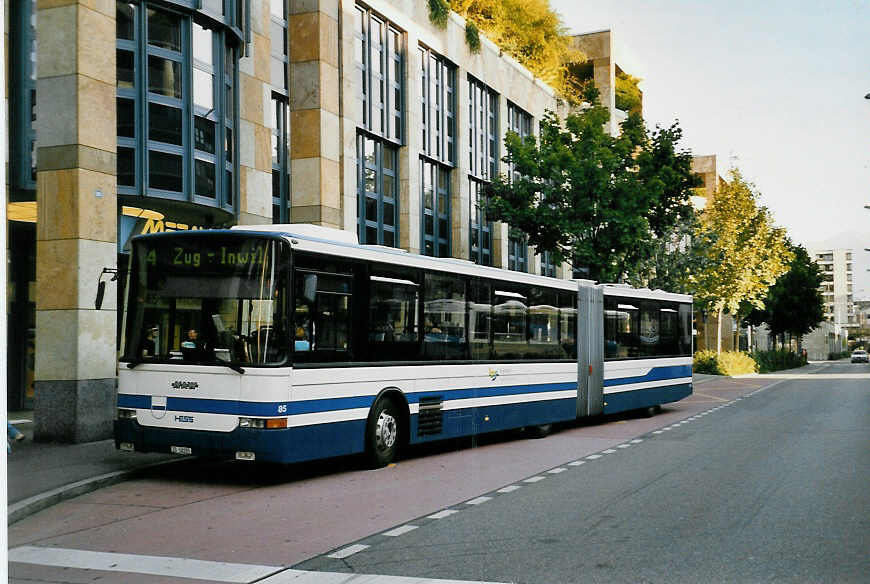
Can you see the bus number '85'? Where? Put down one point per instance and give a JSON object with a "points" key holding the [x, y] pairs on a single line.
{"points": [[282, 409]]}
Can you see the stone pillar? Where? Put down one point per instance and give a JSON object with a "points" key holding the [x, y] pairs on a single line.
{"points": [[77, 220], [410, 179], [315, 136], [255, 137], [460, 194]]}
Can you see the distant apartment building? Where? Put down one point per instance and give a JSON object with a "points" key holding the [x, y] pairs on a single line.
{"points": [[836, 268]]}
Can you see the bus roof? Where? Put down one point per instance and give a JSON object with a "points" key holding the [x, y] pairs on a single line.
{"points": [[341, 243]]}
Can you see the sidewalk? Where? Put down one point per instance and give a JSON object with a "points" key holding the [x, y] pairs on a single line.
{"points": [[43, 474]]}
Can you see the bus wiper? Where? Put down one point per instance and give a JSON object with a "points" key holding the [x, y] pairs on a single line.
{"points": [[134, 364], [234, 365]]}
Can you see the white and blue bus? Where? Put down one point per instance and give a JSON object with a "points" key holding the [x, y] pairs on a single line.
{"points": [[287, 343]]}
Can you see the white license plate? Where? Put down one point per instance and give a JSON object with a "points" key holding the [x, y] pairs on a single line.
{"points": [[180, 449]]}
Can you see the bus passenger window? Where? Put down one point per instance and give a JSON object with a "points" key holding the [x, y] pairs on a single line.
{"points": [[444, 317], [394, 299], [321, 316]]}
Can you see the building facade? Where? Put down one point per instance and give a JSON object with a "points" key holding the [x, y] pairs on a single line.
{"points": [[145, 116], [836, 268]]}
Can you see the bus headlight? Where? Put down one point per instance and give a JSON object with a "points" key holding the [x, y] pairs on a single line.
{"points": [[263, 423], [125, 414]]}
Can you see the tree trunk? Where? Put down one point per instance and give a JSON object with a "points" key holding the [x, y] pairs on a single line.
{"points": [[719, 333]]}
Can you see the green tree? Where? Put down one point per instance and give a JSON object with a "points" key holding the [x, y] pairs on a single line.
{"points": [[745, 252], [794, 303], [590, 198]]}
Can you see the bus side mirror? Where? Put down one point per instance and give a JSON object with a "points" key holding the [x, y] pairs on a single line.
{"points": [[101, 285], [101, 291], [309, 288]]}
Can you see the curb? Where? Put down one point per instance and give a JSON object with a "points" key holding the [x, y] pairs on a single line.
{"points": [[31, 505]]}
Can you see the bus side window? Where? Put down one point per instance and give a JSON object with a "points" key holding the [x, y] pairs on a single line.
{"points": [[444, 317], [480, 319], [321, 317], [393, 313]]}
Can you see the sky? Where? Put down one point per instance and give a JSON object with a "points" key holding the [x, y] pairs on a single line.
{"points": [[775, 88]]}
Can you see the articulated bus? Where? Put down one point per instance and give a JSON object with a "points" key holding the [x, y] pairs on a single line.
{"points": [[287, 343]]}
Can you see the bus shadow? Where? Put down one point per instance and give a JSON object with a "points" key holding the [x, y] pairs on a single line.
{"points": [[234, 473]]}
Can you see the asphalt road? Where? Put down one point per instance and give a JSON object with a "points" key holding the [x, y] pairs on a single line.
{"points": [[771, 486]]}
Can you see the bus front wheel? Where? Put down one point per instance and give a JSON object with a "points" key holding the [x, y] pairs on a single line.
{"points": [[383, 433]]}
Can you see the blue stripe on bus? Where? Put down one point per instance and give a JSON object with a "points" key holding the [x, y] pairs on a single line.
{"points": [[451, 394], [656, 374], [644, 398], [216, 406], [249, 408]]}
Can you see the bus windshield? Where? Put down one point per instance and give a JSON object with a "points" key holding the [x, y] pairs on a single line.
{"points": [[207, 300]]}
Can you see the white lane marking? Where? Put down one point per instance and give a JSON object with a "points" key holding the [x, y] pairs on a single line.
{"points": [[624, 446], [636, 441], [577, 463], [534, 479], [608, 451], [666, 429], [152, 565], [443, 514], [300, 577], [557, 470], [348, 551], [478, 501], [509, 489], [593, 457], [401, 530], [658, 432]]}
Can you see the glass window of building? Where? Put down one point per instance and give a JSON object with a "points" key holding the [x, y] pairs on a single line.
{"points": [[438, 152], [22, 100], [377, 192], [378, 53], [176, 102], [519, 122], [482, 163], [279, 125], [548, 266], [279, 120], [518, 251]]}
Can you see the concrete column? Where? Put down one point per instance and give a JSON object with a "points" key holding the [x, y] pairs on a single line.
{"points": [[316, 136], [76, 228], [255, 136], [410, 197], [460, 195]]}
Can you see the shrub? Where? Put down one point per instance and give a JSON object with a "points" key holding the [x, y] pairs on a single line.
{"points": [[737, 363], [727, 363], [439, 11], [769, 361], [705, 362]]}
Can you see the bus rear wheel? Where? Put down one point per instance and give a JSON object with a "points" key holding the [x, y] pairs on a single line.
{"points": [[383, 433]]}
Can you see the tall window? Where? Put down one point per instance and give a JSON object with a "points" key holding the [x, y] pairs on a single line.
{"points": [[548, 266], [518, 251], [482, 163], [435, 183], [177, 103], [378, 192], [22, 100], [379, 60], [520, 123], [438, 155], [279, 122]]}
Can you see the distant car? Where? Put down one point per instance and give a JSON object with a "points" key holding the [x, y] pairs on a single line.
{"points": [[860, 356]]}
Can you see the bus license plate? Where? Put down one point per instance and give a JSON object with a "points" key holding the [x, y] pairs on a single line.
{"points": [[180, 449]]}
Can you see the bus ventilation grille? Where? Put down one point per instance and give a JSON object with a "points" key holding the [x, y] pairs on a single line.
{"points": [[429, 420]]}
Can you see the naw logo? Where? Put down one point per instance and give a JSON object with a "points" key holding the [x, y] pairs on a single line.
{"points": [[493, 374], [191, 385]]}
